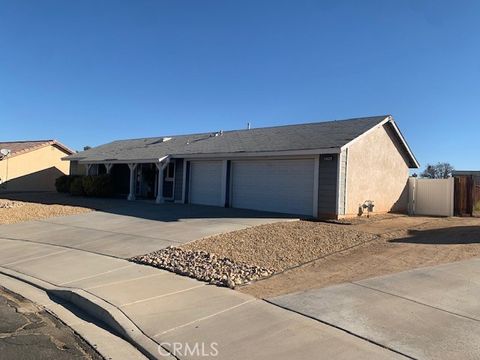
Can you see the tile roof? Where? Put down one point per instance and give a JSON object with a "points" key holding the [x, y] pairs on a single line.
{"points": [[20, 147]]}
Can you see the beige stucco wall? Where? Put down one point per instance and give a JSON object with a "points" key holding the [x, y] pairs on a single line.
{"points": [[376, 170], [33, 171]]}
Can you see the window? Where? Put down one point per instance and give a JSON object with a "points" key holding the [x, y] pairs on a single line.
{"points": [[170, 171]]}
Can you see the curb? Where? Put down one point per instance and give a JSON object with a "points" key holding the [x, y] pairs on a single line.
{"points": [[98, 309]]}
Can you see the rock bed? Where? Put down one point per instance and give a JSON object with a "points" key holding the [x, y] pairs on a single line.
{"points": [[204, 266], [14, 211], [282, 245]]}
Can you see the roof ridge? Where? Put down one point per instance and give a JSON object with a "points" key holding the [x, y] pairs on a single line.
{"points": [[31, 145], [25, 141], [259, 128]]}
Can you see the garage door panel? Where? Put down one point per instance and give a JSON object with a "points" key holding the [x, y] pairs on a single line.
{"points": [[206, 183], [274, 185]]}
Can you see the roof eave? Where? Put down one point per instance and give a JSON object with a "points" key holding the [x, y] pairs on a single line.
{"points": [[413, 163], [306, 152], [42, 145]]}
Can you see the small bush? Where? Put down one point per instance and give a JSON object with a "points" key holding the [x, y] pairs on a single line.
{"points": [[76, 186], [98, 185], [62, 184]]}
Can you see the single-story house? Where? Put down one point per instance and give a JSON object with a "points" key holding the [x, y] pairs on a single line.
{"points": [[322, 169], [32, 165]]}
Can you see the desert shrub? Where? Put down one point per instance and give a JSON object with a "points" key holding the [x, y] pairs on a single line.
{"points": [[76, 186], [87, 185], [62, 184], [98, 185]]}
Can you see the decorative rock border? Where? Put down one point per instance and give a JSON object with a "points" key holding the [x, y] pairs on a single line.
{"points": [[204, 266]]}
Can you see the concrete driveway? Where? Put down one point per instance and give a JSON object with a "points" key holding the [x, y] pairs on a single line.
{"points": [[76, 259], [133, 228], [429, 313]]}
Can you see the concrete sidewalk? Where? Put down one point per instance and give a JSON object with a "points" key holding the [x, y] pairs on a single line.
{"points": [[427, 313], [152, 307]]}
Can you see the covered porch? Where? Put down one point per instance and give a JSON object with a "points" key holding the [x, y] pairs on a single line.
{"points": [[143, 179]]}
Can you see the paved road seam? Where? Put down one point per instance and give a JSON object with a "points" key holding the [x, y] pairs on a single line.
{"points": [[344, 330], [416, 302]]}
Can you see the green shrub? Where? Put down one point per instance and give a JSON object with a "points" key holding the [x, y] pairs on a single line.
{"points": [[76, 186], [98, 185], [87, 185], [62, 184]]}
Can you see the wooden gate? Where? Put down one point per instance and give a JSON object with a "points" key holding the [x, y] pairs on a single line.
{"points": [[467, 195], [476, 196]]}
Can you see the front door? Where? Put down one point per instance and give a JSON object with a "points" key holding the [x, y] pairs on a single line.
{"points": [[169, 181], [146, 181]]}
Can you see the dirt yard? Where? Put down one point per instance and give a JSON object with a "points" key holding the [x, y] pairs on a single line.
{"points": [[403, 244], [14, 211], [309, 255]]}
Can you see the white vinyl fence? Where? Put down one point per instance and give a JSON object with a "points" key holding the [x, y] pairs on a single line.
{"points": [[431, 196]]}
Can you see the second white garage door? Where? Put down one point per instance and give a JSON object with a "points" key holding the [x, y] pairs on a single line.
{"points": [[273, 185], [206, 183]]}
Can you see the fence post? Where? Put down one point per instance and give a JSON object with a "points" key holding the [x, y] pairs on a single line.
{"points": [[414, 195], [452, 195]]}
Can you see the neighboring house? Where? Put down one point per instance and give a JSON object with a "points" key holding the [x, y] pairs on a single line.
{"points": [[31, 165], [324, 169]]}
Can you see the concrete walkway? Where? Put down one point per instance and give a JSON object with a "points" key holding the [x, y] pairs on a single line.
{"points": [[429, 313], [151, 307]]}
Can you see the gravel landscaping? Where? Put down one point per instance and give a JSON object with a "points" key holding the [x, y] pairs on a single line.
{"points": [[13, 211], [204, 266], [244, 256], [8, 204], [282, 245]]}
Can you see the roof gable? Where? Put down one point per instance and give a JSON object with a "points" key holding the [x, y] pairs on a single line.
{"points": [[22, 147]]}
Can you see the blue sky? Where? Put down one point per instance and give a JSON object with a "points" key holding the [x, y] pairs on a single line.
{"points": [[88, 72]]}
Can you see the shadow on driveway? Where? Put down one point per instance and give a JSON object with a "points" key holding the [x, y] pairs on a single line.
{"points": [[145, 209]]}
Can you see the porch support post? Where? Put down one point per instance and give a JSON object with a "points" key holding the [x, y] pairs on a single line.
{"points": [[131, 195], [160, 166], [108, 167], [316, 174], [87, 169]]}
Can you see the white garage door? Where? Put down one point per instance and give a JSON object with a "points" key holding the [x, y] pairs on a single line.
{"points": [[273, 185], [206, 183]]}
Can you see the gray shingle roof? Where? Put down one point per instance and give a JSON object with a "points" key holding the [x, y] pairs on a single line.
{"points": [[312, 136]]}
